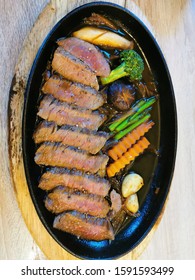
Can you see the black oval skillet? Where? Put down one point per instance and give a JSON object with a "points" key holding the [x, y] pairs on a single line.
{"points": [[157, 172]]}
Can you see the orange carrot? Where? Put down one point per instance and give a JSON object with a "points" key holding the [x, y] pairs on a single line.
{"points": [[128, 157], [123, 145]]}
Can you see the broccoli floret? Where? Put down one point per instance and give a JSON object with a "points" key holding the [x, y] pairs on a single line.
{"points": [[131, 66]]}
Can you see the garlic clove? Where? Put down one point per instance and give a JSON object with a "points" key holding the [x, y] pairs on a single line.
{"points": [[131, 184], [132, 203]]}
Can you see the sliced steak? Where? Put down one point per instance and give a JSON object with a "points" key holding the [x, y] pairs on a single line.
{"points": [[87, 53], [73, 69], [74, 179], [60, 112], [73, 93], [64, 199], [55, 154], [87, 140], [84, 226]]}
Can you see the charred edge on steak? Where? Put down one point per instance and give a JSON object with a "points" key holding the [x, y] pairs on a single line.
{"points": [[74, 179], [74, 69], [73, 93], [62, 113], [88, 53], [65, 199], [88, 140], [57, 154], [84, 226]]}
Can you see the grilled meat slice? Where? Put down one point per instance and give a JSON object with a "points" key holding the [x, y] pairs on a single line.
{"points": [[73, 69], [73, 93], [87, 140], [60, 112], [64, 199], [74, 179], [57, 154], [84, 226], [87, 53]]}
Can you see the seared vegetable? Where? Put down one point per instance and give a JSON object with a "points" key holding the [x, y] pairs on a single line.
{"points": [[99, 20], [121, 95], [118, 220], [135, 110], [124, 144], [132, 203], [103, 37], [146, 88], [131, 120], [132, 66], [124, 132], [131, 184], [128, 157]]}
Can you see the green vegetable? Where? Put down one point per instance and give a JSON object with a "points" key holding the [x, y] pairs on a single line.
{"points": [[122, 133], [130, 120], [132, 111], [132, 66], [133, 114], [146, 105]]}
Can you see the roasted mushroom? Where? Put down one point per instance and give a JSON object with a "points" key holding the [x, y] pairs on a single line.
{"points": [[121, 95]]}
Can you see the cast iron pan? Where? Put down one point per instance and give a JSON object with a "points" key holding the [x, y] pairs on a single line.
{"points": [[157, 171]]}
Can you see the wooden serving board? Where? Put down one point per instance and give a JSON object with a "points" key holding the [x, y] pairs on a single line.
{"points": [[52, 13]]}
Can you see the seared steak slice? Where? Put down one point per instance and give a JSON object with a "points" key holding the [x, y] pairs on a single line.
{"points": [[64, 199], [60, 112], [84, 226], [73, 93], [87, 53], [87, 140], [74, 179], [73, 69], [55, 154]]}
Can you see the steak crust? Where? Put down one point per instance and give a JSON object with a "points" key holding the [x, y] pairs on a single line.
{"points": [[73, 69], [73, 93], [84, 226], [62, 113], [87, 140], [74, 179], [88, 53], [56, 154], [64, 199]]}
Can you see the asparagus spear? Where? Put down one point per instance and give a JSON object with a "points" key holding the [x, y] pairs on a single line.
{"points": [[148, 103], [122, 133], [137, 108], [133, 109], [130, 120]]}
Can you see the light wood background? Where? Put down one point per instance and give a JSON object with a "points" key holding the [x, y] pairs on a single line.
{"points": [[172, 22]]}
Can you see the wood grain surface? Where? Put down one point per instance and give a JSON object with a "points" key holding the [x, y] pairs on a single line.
{"points": [[172, 23]]}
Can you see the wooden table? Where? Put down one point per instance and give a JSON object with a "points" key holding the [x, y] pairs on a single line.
{"points": [[172, 23]]}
